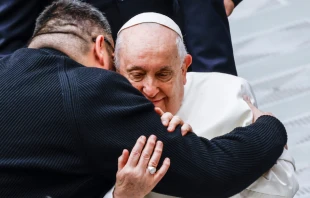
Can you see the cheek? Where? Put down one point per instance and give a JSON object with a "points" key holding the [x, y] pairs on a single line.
{"points": [[121, 72], [137, 85], [176, 89], [168, 89]]}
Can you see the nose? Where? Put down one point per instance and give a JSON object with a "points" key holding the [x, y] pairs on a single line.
{"points": [[150, 89]]}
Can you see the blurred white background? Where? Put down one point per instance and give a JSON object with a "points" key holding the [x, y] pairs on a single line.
{"points": [[271, 40]]}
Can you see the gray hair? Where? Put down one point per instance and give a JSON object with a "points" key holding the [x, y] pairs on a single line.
{"points": [[182, 52], [74, 18]]}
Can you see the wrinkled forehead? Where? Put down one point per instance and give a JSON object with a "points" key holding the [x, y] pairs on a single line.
{"points": [[149, 41], [149, 33]]}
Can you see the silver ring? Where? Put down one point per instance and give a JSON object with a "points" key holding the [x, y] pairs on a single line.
{"points": [[151, 169]]}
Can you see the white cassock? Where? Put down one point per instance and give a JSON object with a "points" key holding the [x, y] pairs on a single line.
{"points": [[213, 105]]}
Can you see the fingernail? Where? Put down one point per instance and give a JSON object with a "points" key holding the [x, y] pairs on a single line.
{"points": [[170, 128], [165, 123]]}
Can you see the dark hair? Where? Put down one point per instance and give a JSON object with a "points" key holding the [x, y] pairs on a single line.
{"points": [[84, 20]]}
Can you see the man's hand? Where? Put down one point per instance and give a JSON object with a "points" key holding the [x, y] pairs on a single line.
{"points": [[256, 112], [229, 7], [172, 122], [133, 179]]}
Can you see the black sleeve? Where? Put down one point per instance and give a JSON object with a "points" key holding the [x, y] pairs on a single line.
{"points": [[111, 115], [207, 38]]}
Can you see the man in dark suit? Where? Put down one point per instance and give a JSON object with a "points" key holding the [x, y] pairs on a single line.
{"points": [[65, 120], [204, 23], [207, 34]]}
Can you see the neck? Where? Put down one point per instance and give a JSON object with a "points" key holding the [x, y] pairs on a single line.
{"points": [[68, 45]]}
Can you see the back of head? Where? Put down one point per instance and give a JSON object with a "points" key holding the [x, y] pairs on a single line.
{"points": [[69, 24]]}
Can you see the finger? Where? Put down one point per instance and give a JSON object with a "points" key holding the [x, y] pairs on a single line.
{"points": [[248, 101], [256, 112], [227, 12], [136, 151], [147, 152], [159, 111], [166, 118], [186, 128], [268, 113], [175, 121], [162, 171], [122, 160], [156, 154]]}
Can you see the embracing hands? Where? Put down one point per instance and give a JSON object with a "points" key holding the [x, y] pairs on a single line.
{"points": [[134, 177], [256, 112], [171, 122]]}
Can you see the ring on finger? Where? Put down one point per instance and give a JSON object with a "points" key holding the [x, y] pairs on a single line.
{"points": [[151, 169]]}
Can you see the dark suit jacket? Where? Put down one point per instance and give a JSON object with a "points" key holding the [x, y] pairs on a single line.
{"points": [[18, 17], [64, 125], [207, 35], [204, 24]]}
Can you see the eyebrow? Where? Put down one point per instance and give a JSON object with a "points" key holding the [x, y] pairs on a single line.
{"points": [[134, 68], [140, 68], [166, 68]]}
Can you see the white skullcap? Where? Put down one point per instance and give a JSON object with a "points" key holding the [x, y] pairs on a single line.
{"points": [[152, 17]]}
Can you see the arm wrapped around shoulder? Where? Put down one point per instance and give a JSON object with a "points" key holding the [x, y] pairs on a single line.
{"points": [[113, 114], [226, 163]]}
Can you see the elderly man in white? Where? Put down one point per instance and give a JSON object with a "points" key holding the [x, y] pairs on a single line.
{"points": [[151, 54]]}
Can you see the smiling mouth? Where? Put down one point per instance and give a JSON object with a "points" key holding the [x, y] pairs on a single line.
{"points": [[156, 101]]}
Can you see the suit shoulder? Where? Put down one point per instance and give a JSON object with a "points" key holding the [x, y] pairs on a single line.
{"points": [[97, 77]]}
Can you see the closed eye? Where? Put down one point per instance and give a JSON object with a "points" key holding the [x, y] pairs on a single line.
{"points": [[164, 75], [136, 76]]}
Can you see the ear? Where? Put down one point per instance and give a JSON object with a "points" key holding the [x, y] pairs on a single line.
{"points": [[186, 63], [99, 50]]}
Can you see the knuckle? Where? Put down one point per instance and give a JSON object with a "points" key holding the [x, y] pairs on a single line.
{"points": [[131, 174], [146, 155], [170, 114], [177, 118], [153, 163], [120, 175], [151, 143], [141, 141], [186, 126], [160, 174], [135, 152], [158, 150], [165, 116]]}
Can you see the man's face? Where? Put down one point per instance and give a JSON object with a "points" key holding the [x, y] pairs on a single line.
{"points": [[153, 66]]}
